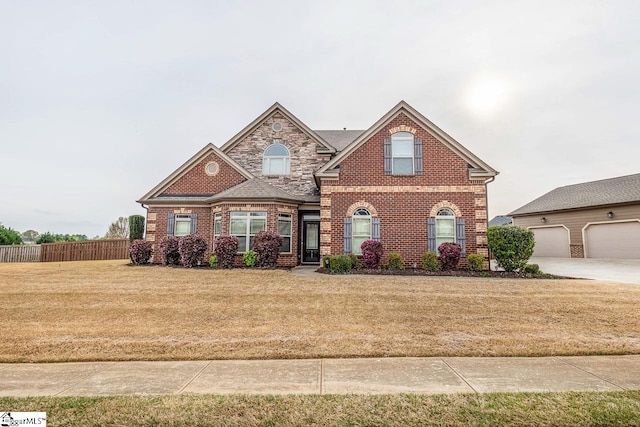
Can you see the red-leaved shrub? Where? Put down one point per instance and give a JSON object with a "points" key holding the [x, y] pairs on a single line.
{"points": [[226, 248], [371, 253], [192, 249], [449, 255], [266, 245], [169, 250], [140, 251]]}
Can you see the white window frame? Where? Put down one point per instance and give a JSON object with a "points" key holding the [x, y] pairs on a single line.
{"points": [[284, 217], [359, 215], [267, 160], [395, 139], [247, 216], [217, 223], [181, 219], [445, 214]]}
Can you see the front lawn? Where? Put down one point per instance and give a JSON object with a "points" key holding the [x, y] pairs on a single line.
{"points": [[107, 310]]}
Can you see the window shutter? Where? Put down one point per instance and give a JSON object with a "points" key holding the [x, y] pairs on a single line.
{"points": [[194, 224], [431, 234], [347, 235], [417, 156], [461, 236], [375, 229], [387, 156], [171, 222]]}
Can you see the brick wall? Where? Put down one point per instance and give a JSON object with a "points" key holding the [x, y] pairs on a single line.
{"points": [[197, 181]]}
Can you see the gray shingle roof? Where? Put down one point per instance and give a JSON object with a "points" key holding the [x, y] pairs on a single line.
{"points": [[623, 189], [339, 139], [258, 189], [500, 220]]}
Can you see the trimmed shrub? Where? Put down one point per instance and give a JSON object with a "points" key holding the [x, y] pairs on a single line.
{"points": [[340, 264], [449, 255], [354, 261], [512, 246], [169, 252], [192, 249], [531, 269], [371, 253], [140, 251], [136, 227], [430, 262], [395, 261], [226, 248], [266, 245], [250, 258], [213, 261], [476, 262]]}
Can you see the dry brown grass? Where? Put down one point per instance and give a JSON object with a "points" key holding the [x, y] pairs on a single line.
{"points": [[106, 310]]}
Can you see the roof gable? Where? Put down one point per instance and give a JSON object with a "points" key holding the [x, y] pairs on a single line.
{"points": [[260, 119], [619, 190], [479, 168], [188, 165]]}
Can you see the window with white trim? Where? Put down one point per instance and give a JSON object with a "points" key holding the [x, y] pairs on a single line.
{"points": [[245, 225], [276, 160], [361, 229], [445, 227], [182, 225], [402, 153], [217, 225], [284, 229]]}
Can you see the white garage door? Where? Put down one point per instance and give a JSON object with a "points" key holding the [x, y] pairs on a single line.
{"points": [[613, 240], [551, 242]]}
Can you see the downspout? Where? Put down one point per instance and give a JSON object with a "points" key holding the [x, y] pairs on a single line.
{"points": [[146, 218]]}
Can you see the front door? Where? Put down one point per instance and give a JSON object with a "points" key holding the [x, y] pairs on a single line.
{"points": [[311, 241]]}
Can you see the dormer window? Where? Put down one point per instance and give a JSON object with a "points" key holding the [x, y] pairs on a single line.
{"points": [[276, 160]]}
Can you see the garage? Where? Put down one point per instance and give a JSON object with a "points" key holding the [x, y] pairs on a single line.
{"points": [[551, 242], [612, 240]]}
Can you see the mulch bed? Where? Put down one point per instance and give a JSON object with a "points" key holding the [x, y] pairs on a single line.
{"points": [[451, 273]]}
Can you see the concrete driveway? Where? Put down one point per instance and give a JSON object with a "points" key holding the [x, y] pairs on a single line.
{"points": [[608, 270]]}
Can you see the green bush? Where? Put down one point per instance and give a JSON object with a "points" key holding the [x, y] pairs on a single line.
{"points": [[213, 261], [531, 269], [476, 262], [136, 227], [355, 263], [250, 258], [340, 264], [430, 262], [512, 246], [395, 261], [9, 236]]}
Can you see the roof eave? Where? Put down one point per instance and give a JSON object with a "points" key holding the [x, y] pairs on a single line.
{"points": [[516, 214]]}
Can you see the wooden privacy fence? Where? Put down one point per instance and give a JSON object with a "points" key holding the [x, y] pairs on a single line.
{"points": [[20, 253], [91, 250]]}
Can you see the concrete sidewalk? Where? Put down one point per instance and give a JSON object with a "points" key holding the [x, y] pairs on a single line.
{"points": [[324, 376]]}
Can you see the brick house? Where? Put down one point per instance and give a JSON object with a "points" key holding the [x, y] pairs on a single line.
{"points": [[403, 181]]}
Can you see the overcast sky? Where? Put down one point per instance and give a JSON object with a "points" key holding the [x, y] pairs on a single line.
{"points": [[101, 100]]}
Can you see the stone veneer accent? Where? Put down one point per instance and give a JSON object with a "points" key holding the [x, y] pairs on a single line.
{"points": [[304, 157]]}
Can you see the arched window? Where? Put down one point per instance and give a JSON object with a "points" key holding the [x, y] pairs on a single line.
{"points": [[276, 160], [445, 226], [361, 223]]}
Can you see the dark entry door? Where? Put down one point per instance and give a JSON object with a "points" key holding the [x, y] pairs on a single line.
{"points": [[311, 241]]}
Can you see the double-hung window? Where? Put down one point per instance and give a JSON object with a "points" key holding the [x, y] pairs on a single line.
{"points": [[217, 225], [284, 230], [402, 153], [276, 160], [361, 223], [182, 225], [445, 227], [245, 225]]}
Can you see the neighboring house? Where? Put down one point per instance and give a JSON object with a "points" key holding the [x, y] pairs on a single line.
{"points": [[598, 219], [500, 220], [403, 181]]}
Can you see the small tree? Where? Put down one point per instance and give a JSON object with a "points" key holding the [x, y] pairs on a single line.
{"points": [[30, 236], [169, 252], [449, 255], [371, 253], [118, 229], [226, 248], [512, 246], [136, 227], [192, 249], [9, 236], [140, 252], [266, 245]]}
